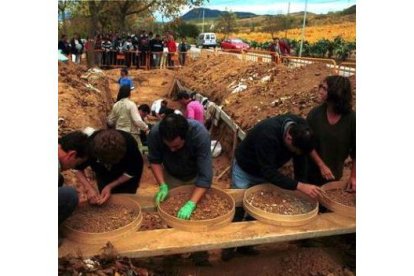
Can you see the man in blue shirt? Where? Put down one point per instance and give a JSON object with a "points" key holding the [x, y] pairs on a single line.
{"points": [[180, 154], [124, 79]]}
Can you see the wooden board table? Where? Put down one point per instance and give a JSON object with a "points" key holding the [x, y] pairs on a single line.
{"points": [[173, 241]]}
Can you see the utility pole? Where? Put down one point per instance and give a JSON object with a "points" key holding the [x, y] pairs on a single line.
{"points": [[287, 20], [303, 29], [202, 28]]}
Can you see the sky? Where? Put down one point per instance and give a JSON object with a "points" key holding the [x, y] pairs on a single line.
{"points": [[275, 6]]}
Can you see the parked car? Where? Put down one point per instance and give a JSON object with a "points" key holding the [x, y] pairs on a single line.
{"points": [[234, 44], [206, 40]]}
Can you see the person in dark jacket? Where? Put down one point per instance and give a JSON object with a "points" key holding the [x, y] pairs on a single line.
{"points": [[182, 49], [63, 45], [157, 47], [267, 147]]}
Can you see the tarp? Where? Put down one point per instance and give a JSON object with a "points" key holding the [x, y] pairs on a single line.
{"points": [[61, 57]]}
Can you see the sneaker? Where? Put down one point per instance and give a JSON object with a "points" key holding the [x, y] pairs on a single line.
{"points": [[227, 254], [248, 251]]}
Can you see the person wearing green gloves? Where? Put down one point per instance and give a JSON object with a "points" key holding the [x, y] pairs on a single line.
{"points": [[180, 154]]}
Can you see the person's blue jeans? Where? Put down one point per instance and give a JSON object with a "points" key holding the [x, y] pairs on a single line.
{"points": [[68, 200], [243, 180]]}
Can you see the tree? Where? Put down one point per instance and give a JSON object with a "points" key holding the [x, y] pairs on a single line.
{"points": [[63, 7], [227, 22], [273, 24], [183, 29]]}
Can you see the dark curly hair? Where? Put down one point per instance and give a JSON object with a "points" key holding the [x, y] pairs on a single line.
{"points": [[108, 146], [173, 126], [339, 94], [77, 141], [302, 137]]}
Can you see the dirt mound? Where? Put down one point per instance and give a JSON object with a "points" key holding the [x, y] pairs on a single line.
{"points": [[84, 98], [253, 91]]}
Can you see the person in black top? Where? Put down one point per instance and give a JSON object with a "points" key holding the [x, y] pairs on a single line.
{"points": [[334, 125], [143, 47], [157, 47], [267, 147], [182, 49], [63, 45], [116, 161]]}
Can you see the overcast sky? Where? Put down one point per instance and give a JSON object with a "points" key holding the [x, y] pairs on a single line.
{"points": [[276, 6]]}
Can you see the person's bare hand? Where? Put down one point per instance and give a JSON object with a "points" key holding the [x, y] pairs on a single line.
{"points": [[105, 195], [327, 173], [351, 185], [309, 189], [93, 196]]}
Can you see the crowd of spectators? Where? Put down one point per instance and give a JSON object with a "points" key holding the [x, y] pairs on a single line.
{"points": [[138, 50]]}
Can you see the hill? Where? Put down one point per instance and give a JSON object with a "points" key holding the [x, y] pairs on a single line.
{"points": [[197, 13]]}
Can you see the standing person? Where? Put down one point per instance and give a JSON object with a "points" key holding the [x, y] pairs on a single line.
{"points": [[172, 49], [267, 147], [144, 47], [124, 80], [334, 125], [72, 151], [192, 109], [157, 48], [275, 50], [127, 117], [128, 48], [116, 161], [106, 54], [76, 48], [284, 47], [63, 45], [180, 154], [183, 48]]}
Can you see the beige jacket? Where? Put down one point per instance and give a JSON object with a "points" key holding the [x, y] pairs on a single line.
{"points": [[125, 116]]}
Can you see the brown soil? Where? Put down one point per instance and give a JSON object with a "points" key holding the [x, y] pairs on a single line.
{"points": [[342, 197], [98, 219], [280, 203], [84, 98], [152, 221], [287, 90], [212, 205]]}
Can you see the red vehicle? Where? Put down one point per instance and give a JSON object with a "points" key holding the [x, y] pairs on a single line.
{"points": [[234, 44]]}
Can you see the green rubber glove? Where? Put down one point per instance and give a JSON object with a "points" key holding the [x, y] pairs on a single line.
{"points": [[186, 211], [162, 193]]}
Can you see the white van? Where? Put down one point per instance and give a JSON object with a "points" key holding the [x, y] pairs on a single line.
{"points": [[206, 40]]}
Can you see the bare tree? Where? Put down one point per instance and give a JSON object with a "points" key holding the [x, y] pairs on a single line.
{"points": [[227, 22]]}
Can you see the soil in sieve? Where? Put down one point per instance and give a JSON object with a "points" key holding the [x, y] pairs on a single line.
{"points": [[98, 219], [280, 203], [341, 196], [152, 221], [212, 205]]}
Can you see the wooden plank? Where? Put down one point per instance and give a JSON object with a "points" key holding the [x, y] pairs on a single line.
{"points": [[172, 241]]}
